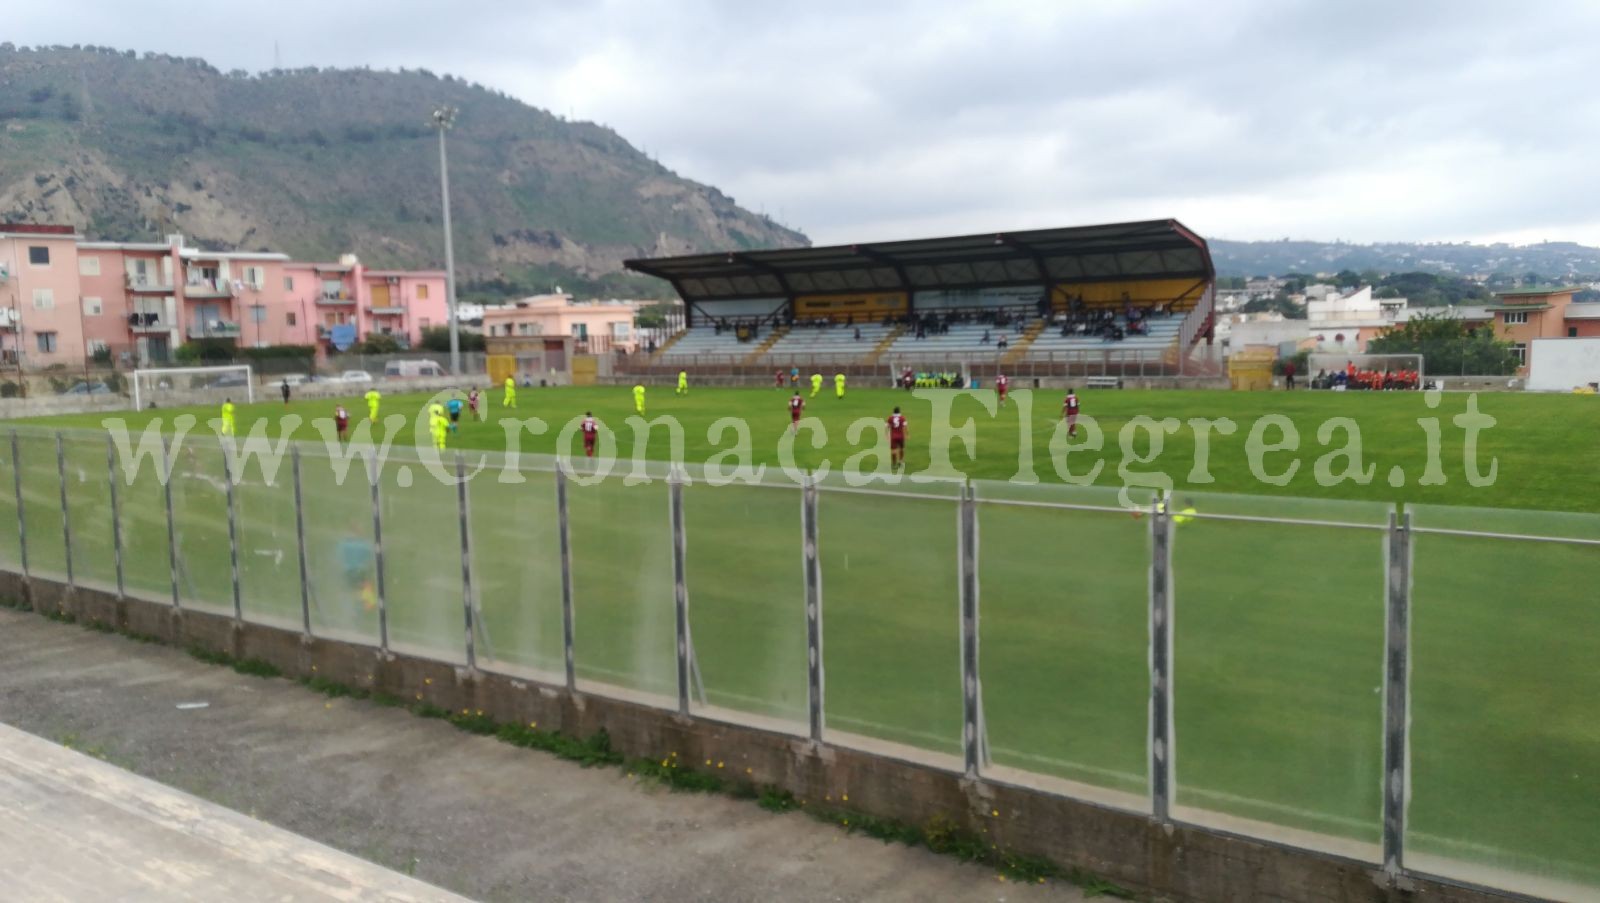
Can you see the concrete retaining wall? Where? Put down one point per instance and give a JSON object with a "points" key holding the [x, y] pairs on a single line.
{"points": [[1165, 861]]}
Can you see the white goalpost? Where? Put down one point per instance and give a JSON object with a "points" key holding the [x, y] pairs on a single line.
{"points": [[169, 386]]}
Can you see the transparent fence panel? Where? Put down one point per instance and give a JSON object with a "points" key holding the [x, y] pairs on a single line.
{"points": [[516, 571], [269, 563], [94, 559], [142, 501], [625, 632], [1278, 650], [10, 542], [200, 518], [747, 603], [1065, 655], [341, 558], [1505, 701], [41, 501], [891, 617], [422, 586]]}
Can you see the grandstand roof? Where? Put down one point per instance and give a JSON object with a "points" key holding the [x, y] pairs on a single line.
{"points": [[1153, 249]]}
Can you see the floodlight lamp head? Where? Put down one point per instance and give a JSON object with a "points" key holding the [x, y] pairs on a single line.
{"points": [[444, 118]]}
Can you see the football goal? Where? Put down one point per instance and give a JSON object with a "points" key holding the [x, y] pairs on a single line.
{"points": [[163, 387]]}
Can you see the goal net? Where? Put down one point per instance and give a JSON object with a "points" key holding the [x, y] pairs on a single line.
{"points": [[1331, 370], [167, 387]]}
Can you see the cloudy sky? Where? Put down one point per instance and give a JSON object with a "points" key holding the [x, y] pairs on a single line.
{"points": [[872, 119]]}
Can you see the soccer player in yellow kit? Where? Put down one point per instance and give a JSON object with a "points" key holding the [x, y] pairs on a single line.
{"points": [[510, 400], [683, 382], [638, 399], [838, 385], [227, 417], [816, 384], [439, 424], [372, 397]]}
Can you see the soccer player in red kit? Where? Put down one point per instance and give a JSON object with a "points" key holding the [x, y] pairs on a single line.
{"points": [[591, 430], [797, 406], [472, 401], [897, 439], [1001, 386], [341, 421], [1069, 410], [777, 379]]}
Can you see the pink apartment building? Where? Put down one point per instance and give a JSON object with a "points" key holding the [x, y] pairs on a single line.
{"points": [[64, 300], [595, 326]]}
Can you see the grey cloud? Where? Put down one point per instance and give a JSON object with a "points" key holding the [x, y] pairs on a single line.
{"points": [[1249, 118]]}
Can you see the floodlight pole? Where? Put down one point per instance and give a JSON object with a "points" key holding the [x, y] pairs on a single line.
{"points": [[444, 119]]}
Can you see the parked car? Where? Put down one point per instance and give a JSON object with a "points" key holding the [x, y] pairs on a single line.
{"points": [[407, 369], [294, 379], [229, 380], [355, 376], [88, 388]]}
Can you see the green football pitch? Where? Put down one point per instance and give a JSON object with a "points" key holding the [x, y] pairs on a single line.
{"points": [[1278, 631]]}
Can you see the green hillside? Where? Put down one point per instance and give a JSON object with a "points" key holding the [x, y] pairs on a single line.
{"points": [[320, 162]]}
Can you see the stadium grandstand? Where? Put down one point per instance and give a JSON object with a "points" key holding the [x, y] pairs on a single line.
{"points": [[1126, 299]]}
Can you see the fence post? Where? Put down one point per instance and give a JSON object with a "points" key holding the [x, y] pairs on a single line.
{"points": [[66, 518], [812, 569], [377, 552], [1161, 660], [22, 516], [116, 512], [971, 698], [680, 585], [566, 574], [233, 532], [1397, 695], [463, 510], [172, 524], [300, 544]]}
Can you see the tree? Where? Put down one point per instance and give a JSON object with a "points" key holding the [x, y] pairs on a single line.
{"points": [[1448, 345], [377, 343], [437, 339], [653, 316]]}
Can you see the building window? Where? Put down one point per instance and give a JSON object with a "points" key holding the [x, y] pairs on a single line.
{"points": [[91, 307], [1572, 332], [288, 283], [422, 293], [1515, 317], [47, 342], [99, 349], [1520, 352], [39, 255], [332, 288], [44, 299], [258, 313], [289, 318], [88, 266], [255, 277]]}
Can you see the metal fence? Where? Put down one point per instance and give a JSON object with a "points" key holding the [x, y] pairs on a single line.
{"points": [[1411, 689]]}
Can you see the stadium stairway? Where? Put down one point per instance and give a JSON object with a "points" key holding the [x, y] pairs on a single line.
{"points": [[777, 333], [1016, 352], [671, 340], [884, 343]]}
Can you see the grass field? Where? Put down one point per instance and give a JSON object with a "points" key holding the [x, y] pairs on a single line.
{"points": [[1278, 633]]}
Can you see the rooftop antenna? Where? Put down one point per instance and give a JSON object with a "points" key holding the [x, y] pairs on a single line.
{"points": [[277, 56]]}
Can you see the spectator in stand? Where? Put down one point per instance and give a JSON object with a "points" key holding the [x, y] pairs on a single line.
{"points": [[1002, 343], [985, 339], [858, 333]]}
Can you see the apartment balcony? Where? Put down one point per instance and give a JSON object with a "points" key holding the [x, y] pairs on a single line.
{"points": [[148, 324], [389, 310], [208, 288], [336, 299], [152, 284], [213, 329]]}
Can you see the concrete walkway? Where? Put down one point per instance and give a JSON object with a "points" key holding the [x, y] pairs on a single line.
{"points": [[466, 813], [75, 828]]}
